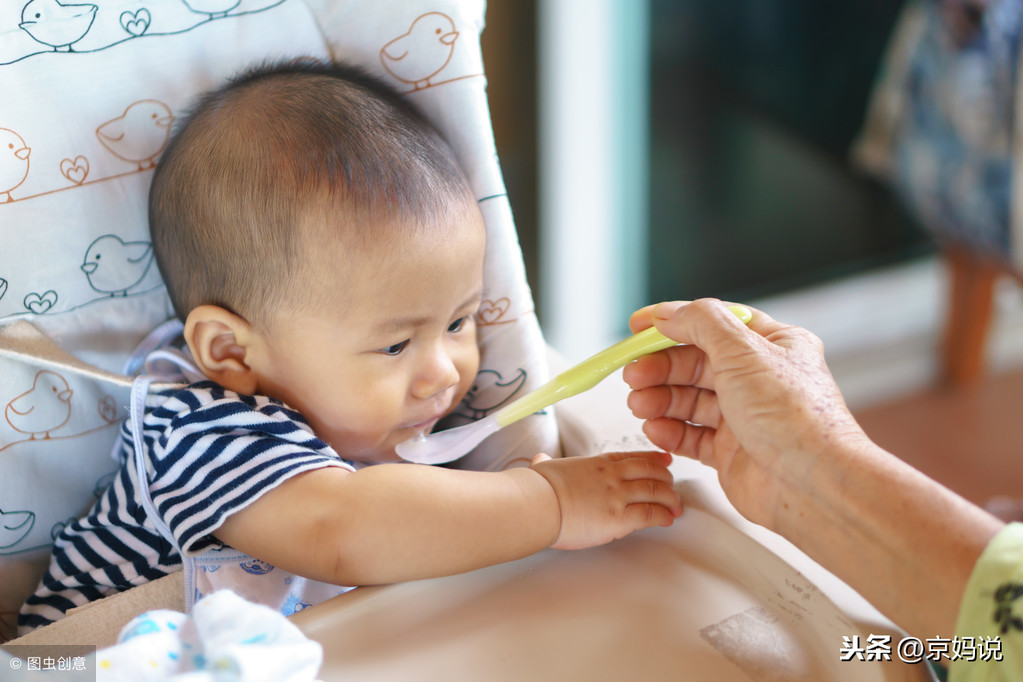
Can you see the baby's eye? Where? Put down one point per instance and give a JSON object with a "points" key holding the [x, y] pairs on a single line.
{"points": [[396, 349], [457, 325]]}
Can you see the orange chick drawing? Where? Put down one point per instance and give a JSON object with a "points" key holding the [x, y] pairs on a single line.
{"points": [[13, 163], [139, 134], [43, 408], [423, 52]]}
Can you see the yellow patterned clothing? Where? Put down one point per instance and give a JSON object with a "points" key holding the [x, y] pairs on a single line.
{"points": [[991, 614]]}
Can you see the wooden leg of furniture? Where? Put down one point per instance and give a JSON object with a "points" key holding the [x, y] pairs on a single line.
{"points": [[969, 318]]}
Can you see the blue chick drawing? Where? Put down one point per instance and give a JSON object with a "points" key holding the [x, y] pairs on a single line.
{"points": [[113, 266], [14, 526], [213, 8], [499, 393], [57, 25]]}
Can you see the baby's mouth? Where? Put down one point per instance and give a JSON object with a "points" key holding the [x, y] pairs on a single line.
{"points": [[426, 426]]}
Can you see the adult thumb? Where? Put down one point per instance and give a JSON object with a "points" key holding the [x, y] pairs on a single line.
{"points": [[709, 324]]}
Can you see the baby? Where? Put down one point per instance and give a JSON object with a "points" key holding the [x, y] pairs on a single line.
{"points": [[325, 252]]}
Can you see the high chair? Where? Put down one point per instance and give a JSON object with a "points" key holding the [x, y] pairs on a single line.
{"points": [[91, 92]]}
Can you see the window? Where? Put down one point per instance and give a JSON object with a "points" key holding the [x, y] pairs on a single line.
{"points": [[753, 107], [692, 148]]}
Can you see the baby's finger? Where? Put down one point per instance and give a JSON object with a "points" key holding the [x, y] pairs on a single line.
{"points": [[655, 456], [650, 467], [646, 515], [650, 491]]}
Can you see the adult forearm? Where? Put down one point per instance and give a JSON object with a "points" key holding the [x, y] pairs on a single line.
{"points": [[905, 542]]}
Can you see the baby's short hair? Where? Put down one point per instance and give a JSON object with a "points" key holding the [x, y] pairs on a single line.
{"points": [[253, 159]]}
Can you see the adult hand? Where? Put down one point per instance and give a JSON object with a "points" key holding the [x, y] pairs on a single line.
{"points": [[755, 402], [759, 405]]}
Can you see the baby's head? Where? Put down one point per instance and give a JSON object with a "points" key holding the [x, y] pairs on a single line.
{"points": [[323, 247]]}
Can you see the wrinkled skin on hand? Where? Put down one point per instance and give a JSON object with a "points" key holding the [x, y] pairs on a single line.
{"points": [[757, 403]]}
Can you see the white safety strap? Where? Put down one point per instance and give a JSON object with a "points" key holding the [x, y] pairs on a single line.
{"points": [[158, 338], [139, 390]]}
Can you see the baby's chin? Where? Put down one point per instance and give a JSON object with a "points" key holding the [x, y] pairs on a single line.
{"points": [[383, 454]]}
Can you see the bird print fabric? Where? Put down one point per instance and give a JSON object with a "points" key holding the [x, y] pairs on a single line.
{"points": [[33, 27], [212, 8], [43, 408], [105, 146], [91, 90], [95, 112], [14, 155], [423, 51], [57, 25], [139, 134], [114, 266]]}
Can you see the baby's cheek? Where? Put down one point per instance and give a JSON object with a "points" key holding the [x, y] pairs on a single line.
{"points": [[468, 368], [354, 423]]}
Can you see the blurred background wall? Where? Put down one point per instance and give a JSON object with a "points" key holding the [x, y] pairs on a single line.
{"points": [[664, 149]]}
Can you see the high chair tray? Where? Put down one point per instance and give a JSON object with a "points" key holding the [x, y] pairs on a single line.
{"points": [[699, 601]]}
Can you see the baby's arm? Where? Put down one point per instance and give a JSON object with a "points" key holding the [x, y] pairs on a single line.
{"points": [[396, 522]]}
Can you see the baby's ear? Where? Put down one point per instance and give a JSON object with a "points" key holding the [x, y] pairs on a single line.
{"points": [[217, 339]]}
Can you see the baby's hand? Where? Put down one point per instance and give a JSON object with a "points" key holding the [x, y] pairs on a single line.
{"points": [[606, 497]]}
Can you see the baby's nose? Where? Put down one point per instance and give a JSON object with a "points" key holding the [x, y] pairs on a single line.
{"points": [[438, 374]]}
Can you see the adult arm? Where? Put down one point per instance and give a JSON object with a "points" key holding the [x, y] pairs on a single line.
{"points": [[759, 405]]}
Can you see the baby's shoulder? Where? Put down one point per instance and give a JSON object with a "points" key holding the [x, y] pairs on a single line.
{"points": [[205, 424], [206, 405], [209, 396]]}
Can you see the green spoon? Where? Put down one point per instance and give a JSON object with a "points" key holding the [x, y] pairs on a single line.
{"points": [[449, 445]]}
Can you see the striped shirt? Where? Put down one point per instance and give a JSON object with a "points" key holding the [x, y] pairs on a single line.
{"points": [[209, 453]]}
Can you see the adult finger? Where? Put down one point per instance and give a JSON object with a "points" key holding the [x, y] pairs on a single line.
{"points": [[643, 318], [686, 403], [706, 326], [694, 441], [689, 322], [759, 322], [680, 365]]}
